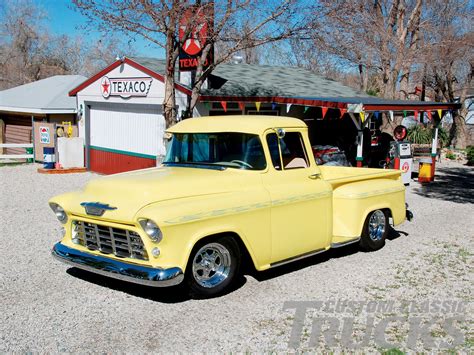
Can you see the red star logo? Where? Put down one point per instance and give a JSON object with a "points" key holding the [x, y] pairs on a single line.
{"points": [[105, 87]]}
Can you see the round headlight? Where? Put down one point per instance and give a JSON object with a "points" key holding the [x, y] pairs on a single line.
{"points": [[152, 230], [59, 212]]}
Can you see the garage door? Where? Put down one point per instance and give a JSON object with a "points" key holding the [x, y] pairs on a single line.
{"points": [[124, 138]]}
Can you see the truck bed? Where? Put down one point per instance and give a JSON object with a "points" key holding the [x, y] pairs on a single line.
{"points": [[339, 175]]}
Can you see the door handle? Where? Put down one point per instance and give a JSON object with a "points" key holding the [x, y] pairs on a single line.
{"points": [[315, 176]]}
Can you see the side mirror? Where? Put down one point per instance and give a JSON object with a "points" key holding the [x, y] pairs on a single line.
{"points": [[280, 133]]}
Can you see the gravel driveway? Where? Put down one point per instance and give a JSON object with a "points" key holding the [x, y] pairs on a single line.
{"points": [[47, 306]]}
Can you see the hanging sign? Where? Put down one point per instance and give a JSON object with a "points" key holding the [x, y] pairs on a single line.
{"points": [[194, 28], [125, 87], [45, 137]]}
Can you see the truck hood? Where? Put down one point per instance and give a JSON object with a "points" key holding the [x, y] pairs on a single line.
{"points": [[130, 192]]}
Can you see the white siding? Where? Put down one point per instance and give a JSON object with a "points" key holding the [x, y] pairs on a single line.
{"points": [[132, 128]]}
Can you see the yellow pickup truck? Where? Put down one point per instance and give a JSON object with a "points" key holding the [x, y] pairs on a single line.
{"points": [[231, 189]]}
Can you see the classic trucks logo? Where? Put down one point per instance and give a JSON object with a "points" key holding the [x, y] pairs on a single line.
{"points": [[125, 87]]}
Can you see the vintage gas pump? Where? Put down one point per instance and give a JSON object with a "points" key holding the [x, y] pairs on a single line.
{"points": [[400, 154]]}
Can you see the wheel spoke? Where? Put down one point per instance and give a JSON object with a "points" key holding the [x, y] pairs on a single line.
{"points": [[211, 265]]}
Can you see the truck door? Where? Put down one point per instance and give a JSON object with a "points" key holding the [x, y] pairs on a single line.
{"points": [[301, 201]]}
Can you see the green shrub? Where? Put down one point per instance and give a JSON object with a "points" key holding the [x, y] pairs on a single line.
{"points": [[450, 155], [470, 155], [424, 135]]}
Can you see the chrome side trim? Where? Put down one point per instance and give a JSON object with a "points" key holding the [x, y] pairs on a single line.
{"points": [[343, 244], [137, 274], [298, 257]]}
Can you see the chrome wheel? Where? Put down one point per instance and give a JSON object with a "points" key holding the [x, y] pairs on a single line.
{"points": [[377, 226], [211, 265]]}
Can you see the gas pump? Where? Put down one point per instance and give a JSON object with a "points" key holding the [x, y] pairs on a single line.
{"points": [[400, 154]]}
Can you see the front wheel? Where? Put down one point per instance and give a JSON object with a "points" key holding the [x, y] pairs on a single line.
{"points": [[375, 231], [212, 267]]}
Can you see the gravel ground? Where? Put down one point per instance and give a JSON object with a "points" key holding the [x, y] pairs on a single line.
{"points": [[49, 307]]}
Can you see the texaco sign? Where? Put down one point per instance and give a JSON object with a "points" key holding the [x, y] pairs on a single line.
{"points": [[125, 87]]}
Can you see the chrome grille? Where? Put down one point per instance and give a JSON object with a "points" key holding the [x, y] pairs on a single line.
{"points": [[109, 240]]}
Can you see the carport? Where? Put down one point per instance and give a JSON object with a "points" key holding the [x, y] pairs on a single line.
{"points": [[41, 104]]}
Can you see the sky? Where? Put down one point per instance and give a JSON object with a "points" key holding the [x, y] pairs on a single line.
{"points": [[64, 20]]}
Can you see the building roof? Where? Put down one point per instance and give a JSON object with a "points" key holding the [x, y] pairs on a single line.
{"points": [[46, 96], [290, 85], [238, 123]]}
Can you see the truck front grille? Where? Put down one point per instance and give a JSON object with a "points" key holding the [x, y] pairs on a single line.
{"points": [[109, 240]]}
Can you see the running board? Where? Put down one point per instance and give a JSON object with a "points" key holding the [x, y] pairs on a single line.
{"points": [[298, 257], [343, 244]]}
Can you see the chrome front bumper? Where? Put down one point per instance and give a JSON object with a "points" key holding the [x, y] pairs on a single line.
{"points": [[138, 274]]}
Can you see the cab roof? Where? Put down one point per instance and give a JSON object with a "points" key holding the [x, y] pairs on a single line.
{"points": [[253, 124]]}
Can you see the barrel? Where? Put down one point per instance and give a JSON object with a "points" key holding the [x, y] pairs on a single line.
{"points": [[425, 173], [48, 157]]}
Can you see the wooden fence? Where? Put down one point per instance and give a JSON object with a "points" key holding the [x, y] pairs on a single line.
{"points": [[6, 158]]}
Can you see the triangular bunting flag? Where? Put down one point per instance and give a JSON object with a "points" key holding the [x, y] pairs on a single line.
{"points": [[376, 115], [430, 116], [416, 115], [362, 116], [390, 113], [207, 105], [440, 114], [342, 112], [242, 106], [288, 107], [224, 105], [257, 105], [274, 106], [306, 108], [325, 110], [404, 113]]}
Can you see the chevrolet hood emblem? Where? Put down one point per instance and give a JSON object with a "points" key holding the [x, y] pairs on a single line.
{"points": [[96, 208]]}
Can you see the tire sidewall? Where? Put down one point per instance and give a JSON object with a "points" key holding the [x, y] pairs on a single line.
{"points": [[198, 291]]}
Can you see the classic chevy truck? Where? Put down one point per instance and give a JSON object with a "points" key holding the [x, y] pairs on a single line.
{"points": [[230, 189]]}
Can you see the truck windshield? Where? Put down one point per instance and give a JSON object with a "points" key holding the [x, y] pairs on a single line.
{"points": [[228, 150]]}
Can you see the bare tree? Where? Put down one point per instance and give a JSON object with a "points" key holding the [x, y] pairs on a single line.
{"points": [[158, 22], [29, 52], [378, 37], [449, 58]]}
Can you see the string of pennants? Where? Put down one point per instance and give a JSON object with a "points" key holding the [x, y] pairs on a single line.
{"points": [[342, 111]]}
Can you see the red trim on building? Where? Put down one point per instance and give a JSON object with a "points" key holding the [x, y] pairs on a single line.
{"points": [[412, 107], [331, 104], [111, 163], [276, 99], [133, 64]]}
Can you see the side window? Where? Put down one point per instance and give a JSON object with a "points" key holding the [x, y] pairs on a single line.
{"points": [[272, 141], [292, 151]]}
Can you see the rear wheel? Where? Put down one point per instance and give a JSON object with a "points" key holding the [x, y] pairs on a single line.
{"points": [[375, 231], [213, 267]]}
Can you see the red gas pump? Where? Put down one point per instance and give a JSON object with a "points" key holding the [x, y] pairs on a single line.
{"points": [[400, 156]]}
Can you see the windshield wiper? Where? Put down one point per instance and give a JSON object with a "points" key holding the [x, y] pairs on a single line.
{"points": [[196, 165]]}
